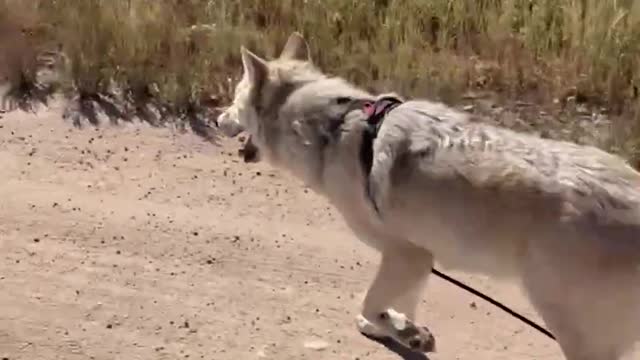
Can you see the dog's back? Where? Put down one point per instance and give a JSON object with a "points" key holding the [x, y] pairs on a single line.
{"points": [[488, 199]]}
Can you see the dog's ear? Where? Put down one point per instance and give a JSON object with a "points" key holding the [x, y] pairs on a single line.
{"points": [[296, 48], [256, 68]]}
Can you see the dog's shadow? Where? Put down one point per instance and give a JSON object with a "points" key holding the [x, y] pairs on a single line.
{"points": [[395, 347]]}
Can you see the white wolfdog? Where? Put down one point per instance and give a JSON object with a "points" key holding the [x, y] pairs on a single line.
{"points": [[564, 219]]}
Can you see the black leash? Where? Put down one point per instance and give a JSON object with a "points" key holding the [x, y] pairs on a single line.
{"points": [[376, 111], [494, 302]]}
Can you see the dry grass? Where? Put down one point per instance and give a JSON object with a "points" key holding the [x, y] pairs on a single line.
{"points": [[182, 54], [21, 38]]}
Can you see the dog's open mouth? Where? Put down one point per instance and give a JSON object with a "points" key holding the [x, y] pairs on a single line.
{"points": [[249, 151]]}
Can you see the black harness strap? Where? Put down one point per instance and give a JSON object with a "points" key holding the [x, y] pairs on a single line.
{"points": [[376, 112]]}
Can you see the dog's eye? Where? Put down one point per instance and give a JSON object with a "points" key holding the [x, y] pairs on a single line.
{"points": [[342, 100]]}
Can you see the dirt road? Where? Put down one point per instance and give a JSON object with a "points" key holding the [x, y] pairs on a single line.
{"points": [[131, 243]]}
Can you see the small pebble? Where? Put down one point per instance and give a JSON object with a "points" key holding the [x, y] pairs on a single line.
{"points": [[317, 345]]}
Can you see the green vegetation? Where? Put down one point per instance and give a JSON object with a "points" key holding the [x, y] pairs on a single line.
{"points": [[181, 53]]}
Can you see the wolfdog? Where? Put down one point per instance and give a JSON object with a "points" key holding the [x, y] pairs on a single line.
{"points": [[427, 182]]}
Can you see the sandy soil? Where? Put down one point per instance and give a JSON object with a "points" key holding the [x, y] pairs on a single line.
{"points": [[131, 242]]}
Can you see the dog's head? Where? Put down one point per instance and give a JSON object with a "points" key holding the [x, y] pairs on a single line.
{"points": [[291, 111]]}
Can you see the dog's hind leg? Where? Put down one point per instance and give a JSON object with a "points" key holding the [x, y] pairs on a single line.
{"points": [[577, 339], [390, 304], [591, 310]]}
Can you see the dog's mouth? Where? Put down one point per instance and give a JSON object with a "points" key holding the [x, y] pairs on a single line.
{"points": [[249, 151]]}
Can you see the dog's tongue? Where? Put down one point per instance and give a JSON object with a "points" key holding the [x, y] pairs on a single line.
{"points": [[249, 151]]}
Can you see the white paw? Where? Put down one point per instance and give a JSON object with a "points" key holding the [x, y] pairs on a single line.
{"points": [[366, 327], [398, 320]]}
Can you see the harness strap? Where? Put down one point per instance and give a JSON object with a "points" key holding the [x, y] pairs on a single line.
{"points": [[376, 111]]}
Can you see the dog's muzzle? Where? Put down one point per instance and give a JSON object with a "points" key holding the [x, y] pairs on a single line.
{"points": [[229, 127], [249, 151]]}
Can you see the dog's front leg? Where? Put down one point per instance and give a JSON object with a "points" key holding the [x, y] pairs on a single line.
{"points": [[390, 304]]}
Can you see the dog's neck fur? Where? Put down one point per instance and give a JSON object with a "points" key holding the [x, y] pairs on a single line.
{"points": [[286, 108], [292, 83]]}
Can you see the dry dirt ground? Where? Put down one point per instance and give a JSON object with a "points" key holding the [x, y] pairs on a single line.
{"points": [[130, 242]]}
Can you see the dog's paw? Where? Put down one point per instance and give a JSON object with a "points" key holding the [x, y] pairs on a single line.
{"points": [[419, 339], [416, 338], [373, 333], [368, 329]]}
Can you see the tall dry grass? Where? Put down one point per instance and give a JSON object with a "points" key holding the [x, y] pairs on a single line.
{"points": [[183, 53], [22, 37]]}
